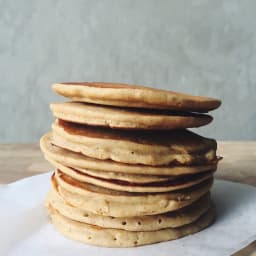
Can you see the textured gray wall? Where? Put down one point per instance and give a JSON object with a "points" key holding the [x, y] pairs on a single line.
{"points": [[198, 46]]}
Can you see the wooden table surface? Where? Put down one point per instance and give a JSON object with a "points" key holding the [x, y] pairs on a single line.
{"points": [[22, 160]]}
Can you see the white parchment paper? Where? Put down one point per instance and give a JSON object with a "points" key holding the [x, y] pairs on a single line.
{"points": [[25, 229]]}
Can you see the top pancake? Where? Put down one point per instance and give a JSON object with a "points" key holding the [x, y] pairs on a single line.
{"points": [[124, 95]]}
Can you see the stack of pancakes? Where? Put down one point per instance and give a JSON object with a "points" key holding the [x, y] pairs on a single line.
{"points": [[127, 171]]}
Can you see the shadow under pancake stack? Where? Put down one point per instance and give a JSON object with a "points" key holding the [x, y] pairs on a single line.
{"points": [[127, 170]]}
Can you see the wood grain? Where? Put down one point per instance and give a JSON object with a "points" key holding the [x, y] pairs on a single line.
{"points": [[239, 161], [22, 160]]}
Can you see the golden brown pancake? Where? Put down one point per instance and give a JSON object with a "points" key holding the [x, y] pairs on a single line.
{"points": [[148, 148], [124, 95], [109, 237], [131, 119], [172, 219], [180, 182], [81, 162], [126, 177], [115, 203]]}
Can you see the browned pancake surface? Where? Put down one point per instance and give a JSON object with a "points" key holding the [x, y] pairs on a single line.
{"points": [[119, 94], [195, 142]]}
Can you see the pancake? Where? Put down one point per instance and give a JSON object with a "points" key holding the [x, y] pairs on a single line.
{"points": [[110, 237], [174, 219], [138, 178], [125, 95], [148, 148], [76, 160], [114, 117], [180, 182], [115, 203]]}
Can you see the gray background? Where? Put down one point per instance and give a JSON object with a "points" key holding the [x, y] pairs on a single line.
{"points": [[198, 46]]}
